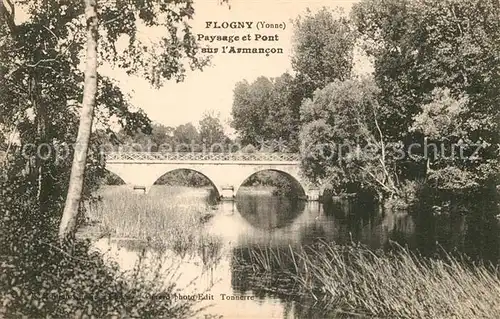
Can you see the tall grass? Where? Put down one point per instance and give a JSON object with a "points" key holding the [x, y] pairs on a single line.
{"points": [[166, 217], [396, 284]]}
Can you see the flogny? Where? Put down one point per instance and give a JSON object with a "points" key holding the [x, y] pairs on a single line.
{"points": [[229, 25]]}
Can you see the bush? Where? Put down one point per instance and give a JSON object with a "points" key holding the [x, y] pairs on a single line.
{"points": [[39, 278], [46, 281]]}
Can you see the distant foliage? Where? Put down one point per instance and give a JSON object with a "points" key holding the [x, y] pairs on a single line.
{"points": [[184, 177], [323, 48], [183, 138], [282, 185], [249, 149], [266, 112], [212, 133]]}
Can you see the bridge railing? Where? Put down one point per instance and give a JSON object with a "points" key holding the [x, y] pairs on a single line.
{"points": [[200, 156]]}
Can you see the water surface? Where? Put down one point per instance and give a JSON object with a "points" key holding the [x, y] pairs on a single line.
{"points": [[263, 220]]}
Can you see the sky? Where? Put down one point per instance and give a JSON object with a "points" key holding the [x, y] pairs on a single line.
{"points": [[212, 88]]}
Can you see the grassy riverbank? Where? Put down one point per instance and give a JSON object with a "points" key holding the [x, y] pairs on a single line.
{"points": [[395, 284], [167, 217], [40, 278]]}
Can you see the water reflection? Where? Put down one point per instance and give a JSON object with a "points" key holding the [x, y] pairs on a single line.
{"points": [[272, 221], [349, 221], [267, 221], [269, 212]]}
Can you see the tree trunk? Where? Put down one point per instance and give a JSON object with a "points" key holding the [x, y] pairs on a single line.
{"points": [[41, 138], [67, 226], [8, 16]]}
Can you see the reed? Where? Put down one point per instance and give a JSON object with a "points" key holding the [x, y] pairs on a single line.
{"points": [[167, 217], [395, 284]]}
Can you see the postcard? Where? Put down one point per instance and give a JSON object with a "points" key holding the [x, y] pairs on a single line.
{"points": [[249, 159]]}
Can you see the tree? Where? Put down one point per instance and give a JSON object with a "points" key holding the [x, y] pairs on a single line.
{"points": [[266, 112], [431, 57], [60, 24], [70, 212], [158, 138], [250, 109], [283, 119], [323, 44], [154, 67], [187, 138], [342, 145], [41, 83], [212, 132], [161, 135], [442, 126]]}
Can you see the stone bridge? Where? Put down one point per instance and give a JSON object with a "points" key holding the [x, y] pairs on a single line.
{"points": [[226, 171]]}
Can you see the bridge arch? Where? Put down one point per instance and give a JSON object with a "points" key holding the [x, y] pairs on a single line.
{"points": [[291, 175], [111, 178], [217, 189]]}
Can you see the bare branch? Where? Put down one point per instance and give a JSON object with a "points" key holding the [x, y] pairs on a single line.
{"points": [[381, 183], [41, 61], [51, 32]]}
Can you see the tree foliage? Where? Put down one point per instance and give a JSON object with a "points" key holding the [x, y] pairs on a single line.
{"points": [[342, 144], [42, 90], [436, 72], [323, 46], [250, 107], [266, 112], [212, 133], [418, 46]]}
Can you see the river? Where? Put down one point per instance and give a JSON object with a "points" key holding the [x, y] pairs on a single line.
{"points": [[262, 220]]}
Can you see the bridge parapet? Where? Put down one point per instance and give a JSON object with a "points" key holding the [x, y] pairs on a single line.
{"points": [[201, 156]]}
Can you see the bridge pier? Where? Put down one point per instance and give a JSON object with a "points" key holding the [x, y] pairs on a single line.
{"points": [[227, 193], [228, 207], [313, 194], [140, 189]]}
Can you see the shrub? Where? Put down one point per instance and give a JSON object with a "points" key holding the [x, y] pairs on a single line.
{"points": [[39, 278], [46, 281]]}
